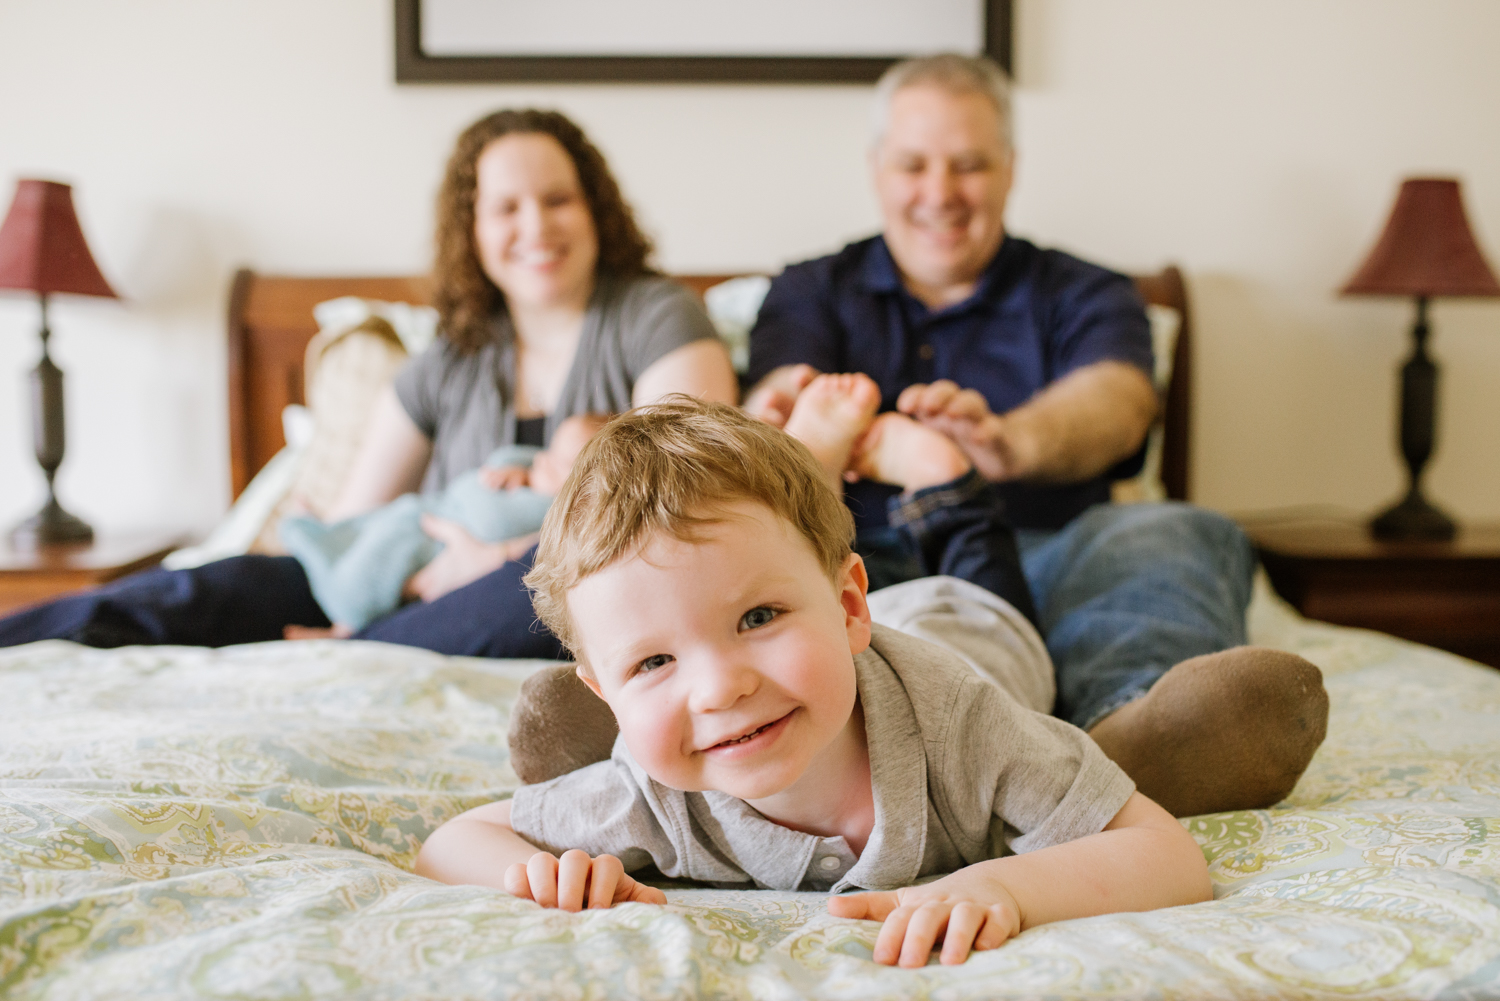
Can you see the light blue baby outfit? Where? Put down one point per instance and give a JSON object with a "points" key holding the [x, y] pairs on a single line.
{"points": [[357, 567]]}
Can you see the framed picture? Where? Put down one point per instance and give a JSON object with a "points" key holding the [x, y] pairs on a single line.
{"points": [[646, 41]]}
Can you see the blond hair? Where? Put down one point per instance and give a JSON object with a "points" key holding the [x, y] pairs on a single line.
{"points": [[671, 467]]}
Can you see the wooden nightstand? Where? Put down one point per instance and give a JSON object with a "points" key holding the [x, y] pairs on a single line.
{"points": [[1444, 594], [28, 576]]}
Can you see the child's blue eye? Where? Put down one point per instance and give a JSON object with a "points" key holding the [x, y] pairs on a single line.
{"points": [[652, 663], [757, 617]]}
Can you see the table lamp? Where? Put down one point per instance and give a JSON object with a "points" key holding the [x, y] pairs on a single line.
{"points": [[1427, 250], [42, 250]]}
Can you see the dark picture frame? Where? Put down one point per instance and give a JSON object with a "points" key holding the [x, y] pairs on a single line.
{"points": [[415, 66]]}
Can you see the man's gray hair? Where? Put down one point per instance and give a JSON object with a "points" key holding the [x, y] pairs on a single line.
{"points": [[952, 72]]}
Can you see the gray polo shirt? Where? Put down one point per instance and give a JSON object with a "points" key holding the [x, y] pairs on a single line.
{"points": [[463, 403], [961, 773]]}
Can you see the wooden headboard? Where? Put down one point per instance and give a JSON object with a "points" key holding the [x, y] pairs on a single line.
{"points": [[271, 321]]}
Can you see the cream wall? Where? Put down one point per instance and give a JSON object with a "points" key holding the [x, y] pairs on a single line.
{"points": [[1259, 145]]}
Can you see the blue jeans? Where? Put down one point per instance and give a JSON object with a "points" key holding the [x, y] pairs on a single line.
{"points": [[249, 599], [1124, 592]]}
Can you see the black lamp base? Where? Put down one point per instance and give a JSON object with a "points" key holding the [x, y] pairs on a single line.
{"points": [[1413, 518], [48, 526]]}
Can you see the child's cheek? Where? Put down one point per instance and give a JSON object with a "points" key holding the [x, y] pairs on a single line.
{"points": [[655, 743]]}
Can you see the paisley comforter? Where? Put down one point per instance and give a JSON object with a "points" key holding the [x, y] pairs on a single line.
{"points": [[241, 823]]}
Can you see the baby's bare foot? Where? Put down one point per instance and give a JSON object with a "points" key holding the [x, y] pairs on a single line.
{"points": [[830, 415], [337, 631], [773, 397], [898, 450]]}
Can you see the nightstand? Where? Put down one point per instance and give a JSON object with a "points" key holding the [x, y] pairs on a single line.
{"points": [[28, 576], [1444, 594]]}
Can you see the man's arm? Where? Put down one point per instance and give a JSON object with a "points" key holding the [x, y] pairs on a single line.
{"points": [[479, 848], [1142, 860], [1071, 431]]}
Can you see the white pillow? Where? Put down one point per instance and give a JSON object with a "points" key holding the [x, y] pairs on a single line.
{"points": [[415, 325], [733, 306], [1147, 485], [248, 517]]}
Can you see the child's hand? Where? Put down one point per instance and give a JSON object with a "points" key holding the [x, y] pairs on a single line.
{"points": [[965, 910], [504, 477], [577, 881]]}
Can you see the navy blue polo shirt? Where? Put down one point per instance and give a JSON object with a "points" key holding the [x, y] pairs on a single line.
{"points": [[1035, 316]]}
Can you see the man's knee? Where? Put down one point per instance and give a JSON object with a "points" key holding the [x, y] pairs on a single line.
{"points": [[1156, 531], [1171, 550]]}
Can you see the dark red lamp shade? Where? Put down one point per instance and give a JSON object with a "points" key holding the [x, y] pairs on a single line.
{"points": [[1427, 248], [42, 247]]}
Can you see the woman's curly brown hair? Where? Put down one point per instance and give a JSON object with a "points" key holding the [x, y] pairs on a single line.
{"points": [[465, 298]]}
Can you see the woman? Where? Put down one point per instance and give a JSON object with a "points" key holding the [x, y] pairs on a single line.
{"points": [[548, 309]]}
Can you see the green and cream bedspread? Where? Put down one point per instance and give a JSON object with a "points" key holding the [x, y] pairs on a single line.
{"points": [[240, 823]]}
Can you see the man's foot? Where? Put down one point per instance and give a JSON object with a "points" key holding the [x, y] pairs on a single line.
{"points": [[1226, 731], [773, 397], [898, 450], [558, 726], [830, 415]]}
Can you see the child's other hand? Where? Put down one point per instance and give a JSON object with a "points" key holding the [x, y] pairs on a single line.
{"points": [[504, 477], [577, 881], [962, 910]]}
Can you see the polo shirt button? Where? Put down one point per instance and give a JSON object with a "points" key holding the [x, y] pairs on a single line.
{"points": [[829, 862], [925, 352]]}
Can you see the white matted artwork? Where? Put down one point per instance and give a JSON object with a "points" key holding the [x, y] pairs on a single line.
{"points": [[641, 40], [701, 27]]}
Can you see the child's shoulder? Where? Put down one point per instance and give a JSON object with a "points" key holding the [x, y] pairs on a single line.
{"points": [[937, 682]]}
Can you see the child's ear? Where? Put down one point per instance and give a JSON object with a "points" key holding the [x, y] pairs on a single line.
{"points": [[587, 677], [854, 584]]}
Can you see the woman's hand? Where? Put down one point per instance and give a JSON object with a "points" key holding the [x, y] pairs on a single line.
{"points": [[968, 910], [577, 881], [464, 559]]}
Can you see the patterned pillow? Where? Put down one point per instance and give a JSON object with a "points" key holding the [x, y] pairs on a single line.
{"points": [[345, 371]]}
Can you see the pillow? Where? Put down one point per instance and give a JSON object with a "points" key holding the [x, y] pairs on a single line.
{"points": [[345, 370], [732, 306], [1146, 485]]}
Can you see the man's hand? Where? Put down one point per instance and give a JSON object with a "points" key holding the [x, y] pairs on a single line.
{"points": [[968, 910], [1073, 429], [964, 415], [504, 477], [464, 559], [577, 881]]}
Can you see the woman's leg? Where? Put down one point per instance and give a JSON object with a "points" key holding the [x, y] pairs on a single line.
{"points": [[244, 599]]}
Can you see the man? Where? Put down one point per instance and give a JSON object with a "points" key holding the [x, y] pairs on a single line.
{"points": [[1037, 365]]}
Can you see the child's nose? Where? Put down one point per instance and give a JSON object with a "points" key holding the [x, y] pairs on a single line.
{"points": [[719, 683]]}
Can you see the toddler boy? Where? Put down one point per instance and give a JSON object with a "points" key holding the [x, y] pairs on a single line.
{"points": [[698, 565]]}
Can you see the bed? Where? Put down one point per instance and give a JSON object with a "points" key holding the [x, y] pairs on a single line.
{"points": [[241, 823]]}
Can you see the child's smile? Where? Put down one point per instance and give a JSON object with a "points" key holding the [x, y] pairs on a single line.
{"points": [[728, 661], [761, 738]]}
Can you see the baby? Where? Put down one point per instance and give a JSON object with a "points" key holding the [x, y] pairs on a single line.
{"points": [[358, 568], [698, 565]]}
